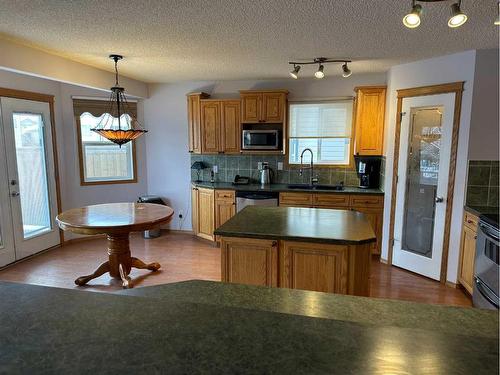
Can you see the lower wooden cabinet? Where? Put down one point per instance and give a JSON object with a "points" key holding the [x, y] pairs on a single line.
{"points": [[311, 266], [210, 209], [375, 217], [249, 261], [468, 252], [329, 268]]}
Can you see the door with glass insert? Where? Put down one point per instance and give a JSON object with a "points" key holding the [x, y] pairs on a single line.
{"points": [[423, 169], [30, 175]]}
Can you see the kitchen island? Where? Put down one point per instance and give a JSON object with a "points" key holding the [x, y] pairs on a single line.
{"points": [[315, 249], [216, 328]]}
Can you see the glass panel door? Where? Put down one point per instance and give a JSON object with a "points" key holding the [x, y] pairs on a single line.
{"points": [[422, 188], [422, 180], [32, 174]]}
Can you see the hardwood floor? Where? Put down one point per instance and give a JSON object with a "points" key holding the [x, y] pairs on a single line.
{"points": [[185, 257]]}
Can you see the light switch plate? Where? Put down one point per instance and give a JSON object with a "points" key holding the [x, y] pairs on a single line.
{"points": [[259, 165], [215, 168], [280, 166]]}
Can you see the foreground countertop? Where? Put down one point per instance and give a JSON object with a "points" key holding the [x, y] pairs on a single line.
{"points": [[282, 188], [299, 224], [207, 327]]}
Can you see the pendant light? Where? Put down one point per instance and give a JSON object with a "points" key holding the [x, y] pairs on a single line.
{"points": [[458, 18], [412, 19], [114, 125]]}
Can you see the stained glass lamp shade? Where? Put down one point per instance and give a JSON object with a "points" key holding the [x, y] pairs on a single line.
{"points": [[113, 126]]}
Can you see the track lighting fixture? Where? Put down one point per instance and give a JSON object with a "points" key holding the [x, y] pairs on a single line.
{"points": [[295, 72], [458, 18], [319, 73], [413, 19], [320, 61], [346, 72]]}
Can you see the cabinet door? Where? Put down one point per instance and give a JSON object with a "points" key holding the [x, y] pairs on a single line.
{"points": [[311, 266], [194, 209], [225, 206], [249, 261], [231, 127], [210, 127], [194, 125], [273, 107], [370, 112], [206, 213], [468, 250], [251, 108], [375, 217]]}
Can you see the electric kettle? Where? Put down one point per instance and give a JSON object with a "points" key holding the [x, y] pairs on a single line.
{"points": [[265, 175]]}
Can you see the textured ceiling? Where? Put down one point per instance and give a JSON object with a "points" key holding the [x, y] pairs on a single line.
{"points": [[166, 41]]}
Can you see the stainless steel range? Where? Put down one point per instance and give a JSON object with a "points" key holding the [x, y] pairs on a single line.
{"points": [[486, 268]]}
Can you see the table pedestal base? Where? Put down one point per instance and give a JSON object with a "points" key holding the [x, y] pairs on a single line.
{"points": [[120, 262]]}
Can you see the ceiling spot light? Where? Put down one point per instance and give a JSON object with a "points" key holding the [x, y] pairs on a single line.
{"points": [[319, 73], [458, 18], [346, 72], [412, 19], [295, 72]]}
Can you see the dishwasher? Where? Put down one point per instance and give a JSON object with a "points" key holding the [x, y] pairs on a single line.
{"points": [[255, 198]]}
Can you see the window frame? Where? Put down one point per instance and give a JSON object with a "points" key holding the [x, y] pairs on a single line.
{"points": [[351, 164], [103, 182]]}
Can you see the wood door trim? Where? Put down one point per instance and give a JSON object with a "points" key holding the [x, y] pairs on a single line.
{"points": [[37, 97], [457, 88]]}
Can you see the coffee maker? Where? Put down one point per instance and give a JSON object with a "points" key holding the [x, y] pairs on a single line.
{"points": [[368, 170]]}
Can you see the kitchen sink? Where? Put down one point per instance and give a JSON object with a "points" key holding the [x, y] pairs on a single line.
{"points": [[315, 187]]}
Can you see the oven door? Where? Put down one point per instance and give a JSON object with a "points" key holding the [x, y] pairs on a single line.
{"points": [[487, 257], [260, 140]]}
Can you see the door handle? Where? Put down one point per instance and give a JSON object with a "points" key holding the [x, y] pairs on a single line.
{"points": [[15, 194], [439, 199]]}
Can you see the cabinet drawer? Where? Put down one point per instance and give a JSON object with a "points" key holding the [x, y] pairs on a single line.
{"points": [[298, 199], [367, 201], [471, 221], [224, 195], [331, 200]]}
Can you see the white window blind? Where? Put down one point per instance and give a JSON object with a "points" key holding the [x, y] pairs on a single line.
{"points": [[325, 128]]}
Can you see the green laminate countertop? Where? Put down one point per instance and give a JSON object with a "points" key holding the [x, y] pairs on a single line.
{"points": [[176, 330], [481, 210], [282, 188], [299, 224]]}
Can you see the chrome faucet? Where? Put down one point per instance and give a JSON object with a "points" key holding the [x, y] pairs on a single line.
{"points": [[312, 180]]}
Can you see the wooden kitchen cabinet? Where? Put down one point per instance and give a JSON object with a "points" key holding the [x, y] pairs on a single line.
{"points": [[249, 261], [468, 251], [369, 120], [213, 125], [194, 121], [202, 212], [225, 206], [210, 127], [230, 127], [375, 217], [263, 106]]}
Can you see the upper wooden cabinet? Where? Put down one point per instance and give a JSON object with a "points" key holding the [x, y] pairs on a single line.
{"points": [[369, 120], [263, 106], [194, 121], [214, 125]]}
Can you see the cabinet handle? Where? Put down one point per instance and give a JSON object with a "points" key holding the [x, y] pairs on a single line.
{"points": [[470, 221], [274, 243], [475, 237]]}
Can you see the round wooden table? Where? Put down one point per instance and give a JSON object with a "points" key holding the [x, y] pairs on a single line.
{"points": [[116, 220]]}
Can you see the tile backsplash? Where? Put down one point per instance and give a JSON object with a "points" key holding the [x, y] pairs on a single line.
{"points": [[247, 165], [482, 183]]}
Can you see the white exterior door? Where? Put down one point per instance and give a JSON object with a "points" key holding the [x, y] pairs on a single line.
{"points": [[30, 186], [421, 196]]}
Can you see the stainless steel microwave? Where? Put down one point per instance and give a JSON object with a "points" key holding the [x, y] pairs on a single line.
{"points": [[261, 140]]}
